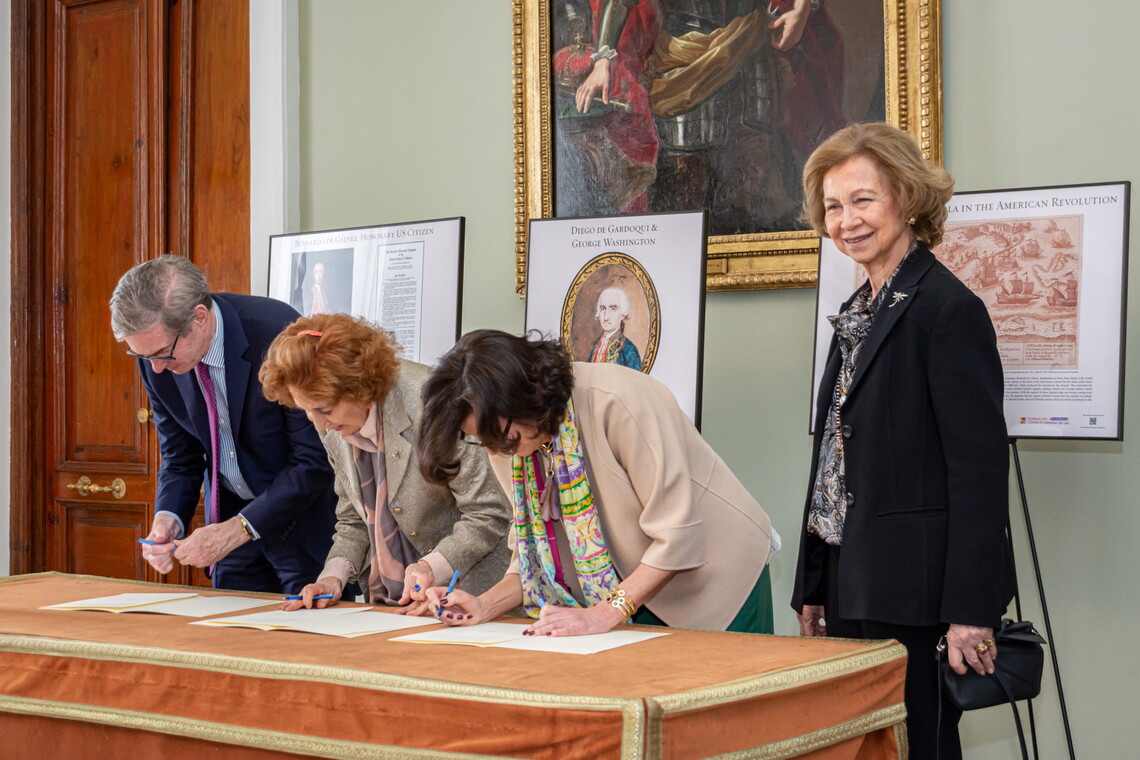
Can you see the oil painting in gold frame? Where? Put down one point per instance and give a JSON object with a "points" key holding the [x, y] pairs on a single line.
{"points": [[748, 251]]}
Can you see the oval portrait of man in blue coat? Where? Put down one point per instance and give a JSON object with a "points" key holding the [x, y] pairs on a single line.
{"points": [[611, 313]]}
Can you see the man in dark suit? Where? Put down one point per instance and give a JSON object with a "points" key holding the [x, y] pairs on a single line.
{"points": [[271, 523]]}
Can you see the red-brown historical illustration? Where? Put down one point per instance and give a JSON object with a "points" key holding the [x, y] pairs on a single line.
{"points": [[1028, 273]]}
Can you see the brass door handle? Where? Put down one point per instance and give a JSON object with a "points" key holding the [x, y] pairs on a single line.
{"points": [[144, 415], [85, 487]]}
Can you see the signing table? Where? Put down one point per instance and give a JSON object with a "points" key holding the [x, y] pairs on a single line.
{"points": [[97, 684]]}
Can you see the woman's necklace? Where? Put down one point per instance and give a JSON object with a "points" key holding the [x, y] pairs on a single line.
{"points": [[841, 385], [546, 452]]}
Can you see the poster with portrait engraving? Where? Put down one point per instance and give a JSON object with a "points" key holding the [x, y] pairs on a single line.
{"points": [[380, 273], [1050, 264], [625, 290]]}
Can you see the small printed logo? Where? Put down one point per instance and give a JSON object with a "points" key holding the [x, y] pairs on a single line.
{"points": [[1044, 420]]}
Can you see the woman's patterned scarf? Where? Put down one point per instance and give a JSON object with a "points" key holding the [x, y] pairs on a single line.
{"points": [[592, 562], [828, 511], [391, 551]]}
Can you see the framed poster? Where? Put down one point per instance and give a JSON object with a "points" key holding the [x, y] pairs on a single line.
{"points": [[379, 273], [670, 106], [1050, 263], [625, 290]]}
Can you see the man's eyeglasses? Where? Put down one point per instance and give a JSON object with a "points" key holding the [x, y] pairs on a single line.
{"points": [[169, 357]]}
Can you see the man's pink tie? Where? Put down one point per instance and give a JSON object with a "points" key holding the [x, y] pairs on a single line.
{"points": [[214, 507]]}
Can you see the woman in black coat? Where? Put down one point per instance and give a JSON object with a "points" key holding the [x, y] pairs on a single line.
{"points": [[907, 505]]}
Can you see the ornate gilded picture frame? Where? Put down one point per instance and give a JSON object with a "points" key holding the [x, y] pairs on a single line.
{"points": [[613, 282], [717, 110]]}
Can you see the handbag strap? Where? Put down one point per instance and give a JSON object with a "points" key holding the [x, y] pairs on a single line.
{"points": [[938, 724], [1016, 715]]}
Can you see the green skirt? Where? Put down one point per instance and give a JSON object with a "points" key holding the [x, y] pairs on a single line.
{"points": [[755, 616]]}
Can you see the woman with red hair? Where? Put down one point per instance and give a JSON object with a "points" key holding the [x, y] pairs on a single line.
{"points": [[396, 533]]}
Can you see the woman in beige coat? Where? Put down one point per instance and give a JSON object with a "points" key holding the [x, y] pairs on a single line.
{"points": [[621, 510], [396, 534]]}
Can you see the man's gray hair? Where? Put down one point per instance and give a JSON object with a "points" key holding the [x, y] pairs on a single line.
{"points": [[165, 290], [623, 301]]}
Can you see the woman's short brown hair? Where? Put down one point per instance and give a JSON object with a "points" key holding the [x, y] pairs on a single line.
{"points": [[920, 188], [348, 359]]}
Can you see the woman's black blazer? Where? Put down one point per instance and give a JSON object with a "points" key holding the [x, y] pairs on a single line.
{"points": [[927, 462]]}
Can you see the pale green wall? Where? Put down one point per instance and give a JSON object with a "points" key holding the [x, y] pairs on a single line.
{"points": [[406, 114]]}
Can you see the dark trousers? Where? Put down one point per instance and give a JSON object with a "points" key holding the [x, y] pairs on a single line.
{"points": [[277, 563], [927, 740]]}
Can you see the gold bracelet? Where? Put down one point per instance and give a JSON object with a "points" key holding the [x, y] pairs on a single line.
{"points": [[245, 527], [622, 603]]}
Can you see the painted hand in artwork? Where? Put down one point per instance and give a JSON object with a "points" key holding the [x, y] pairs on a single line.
{"points": [[597, 82], [788, 28]]}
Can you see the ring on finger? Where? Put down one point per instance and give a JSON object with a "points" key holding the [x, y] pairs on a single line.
{"points": [[981, 647]]}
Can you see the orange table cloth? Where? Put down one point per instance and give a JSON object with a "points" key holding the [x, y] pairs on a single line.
{"points": [[97, 684]]}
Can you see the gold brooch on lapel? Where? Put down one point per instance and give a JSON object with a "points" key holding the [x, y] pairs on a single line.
{"points": [[896, 298]]}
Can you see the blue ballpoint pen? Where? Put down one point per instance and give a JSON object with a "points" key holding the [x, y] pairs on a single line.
{"points": [[148, 542], [450, 588], [294, 597]]}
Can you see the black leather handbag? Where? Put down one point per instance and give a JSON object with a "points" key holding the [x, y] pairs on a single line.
{"points": [[1016, 676]]}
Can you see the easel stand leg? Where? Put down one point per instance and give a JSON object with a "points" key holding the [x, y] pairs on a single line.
{"points": [[1044, 609]]}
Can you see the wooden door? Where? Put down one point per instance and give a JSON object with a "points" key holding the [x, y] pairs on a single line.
{"points": [[135, 147], [104, 160]]}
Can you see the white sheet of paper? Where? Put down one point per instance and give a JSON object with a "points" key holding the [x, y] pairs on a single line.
{"points": [[366, 623], [120, 602], [273, 620], [347, 622], [510, 636], [481, 635], [203, 606], [589, 644]]}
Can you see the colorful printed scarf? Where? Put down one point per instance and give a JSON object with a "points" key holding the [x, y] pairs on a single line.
{"points": [[592, 562]]}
